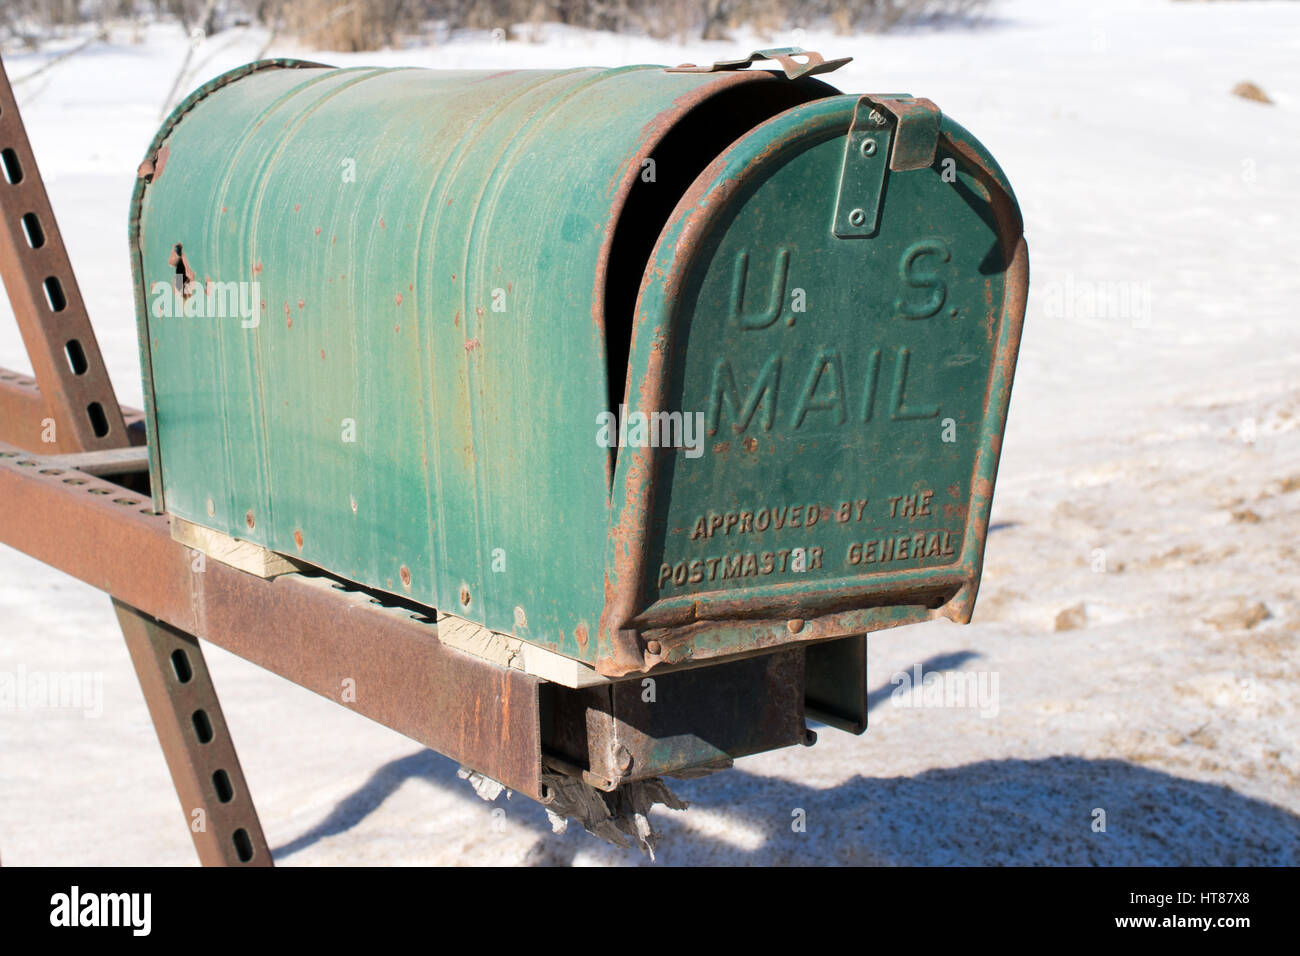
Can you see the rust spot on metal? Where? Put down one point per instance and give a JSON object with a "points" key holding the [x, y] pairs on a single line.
{"points": [[471, 345], [405, 574], [297, 538], [794, 626], [151, 169], [249, 520], [381, 223], [750, 443], [178, 261], [176, 256], [464, 596], [318, 230], [580, 635], [257, 268], [301, 305], [722, 448], [297, 206]]}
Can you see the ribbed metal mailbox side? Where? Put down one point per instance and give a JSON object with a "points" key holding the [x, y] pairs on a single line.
{"points": [[398, 295]]}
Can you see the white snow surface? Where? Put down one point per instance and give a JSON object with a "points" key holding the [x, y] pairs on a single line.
{"points": [[1158, 440]]}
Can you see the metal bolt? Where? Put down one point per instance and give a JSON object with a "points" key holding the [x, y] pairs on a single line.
{"points": [[623, 759], [868, 147], [653, 647], [794, 626], [857, 217]]}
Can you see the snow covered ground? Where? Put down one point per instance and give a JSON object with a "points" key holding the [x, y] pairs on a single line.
{"points": [[1141, 604]]}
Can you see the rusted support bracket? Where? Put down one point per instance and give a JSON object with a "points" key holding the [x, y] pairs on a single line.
{"points": [[23, 419], [195, 741], [77, 412], [46, 301], [131, 460], [386, 663]]}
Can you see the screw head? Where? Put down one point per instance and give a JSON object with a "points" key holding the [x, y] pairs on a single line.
{"points": [[653, 647], [857, 217], [868, 147], [795, 625]]}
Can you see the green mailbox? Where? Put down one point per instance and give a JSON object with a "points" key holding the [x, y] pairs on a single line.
{"points": [[636, 369]]}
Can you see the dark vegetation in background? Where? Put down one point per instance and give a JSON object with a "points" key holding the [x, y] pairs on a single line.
{"points": [[353, 25]]}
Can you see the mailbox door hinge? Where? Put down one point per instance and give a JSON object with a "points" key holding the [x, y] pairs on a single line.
{"points": [[895, 132]]}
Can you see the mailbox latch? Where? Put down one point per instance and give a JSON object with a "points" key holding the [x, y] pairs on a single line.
{"points": [[895, 132], [796, 63]]}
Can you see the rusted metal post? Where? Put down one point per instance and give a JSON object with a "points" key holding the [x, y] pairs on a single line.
{"points": [[384, 662], [82, 411], [81, 415], [195, 741]]}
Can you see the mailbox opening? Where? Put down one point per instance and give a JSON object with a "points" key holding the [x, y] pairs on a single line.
{"points": [[675, 161]]}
